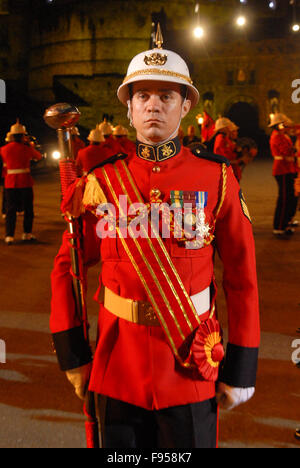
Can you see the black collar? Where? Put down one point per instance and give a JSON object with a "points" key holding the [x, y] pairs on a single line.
{"points": [[158, 153]]}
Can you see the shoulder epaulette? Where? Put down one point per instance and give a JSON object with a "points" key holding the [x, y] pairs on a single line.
{"points": [[202, 153], [111, 160]]}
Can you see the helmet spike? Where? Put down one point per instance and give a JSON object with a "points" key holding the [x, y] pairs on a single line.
{"points": [[159, 37]]}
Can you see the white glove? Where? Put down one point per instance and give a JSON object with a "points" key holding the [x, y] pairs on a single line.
{"points": [[79, 378], [230, 397]]}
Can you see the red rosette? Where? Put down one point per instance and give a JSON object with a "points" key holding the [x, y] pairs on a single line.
{"points": [[207, 349]]}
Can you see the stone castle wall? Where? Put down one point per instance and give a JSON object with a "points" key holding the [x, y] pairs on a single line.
{"points": [[80, 51]]}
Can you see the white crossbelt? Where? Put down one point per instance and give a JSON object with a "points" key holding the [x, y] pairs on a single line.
{"points": [[18, 171], [201, 301]]}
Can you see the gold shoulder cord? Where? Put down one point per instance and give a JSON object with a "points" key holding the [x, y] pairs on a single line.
{"points": [[224, 187]]}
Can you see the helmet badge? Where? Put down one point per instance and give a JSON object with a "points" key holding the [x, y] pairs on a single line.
{"points": [[156, 58]]}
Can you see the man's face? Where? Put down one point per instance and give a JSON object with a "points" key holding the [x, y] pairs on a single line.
{"points": [[157, 108]]}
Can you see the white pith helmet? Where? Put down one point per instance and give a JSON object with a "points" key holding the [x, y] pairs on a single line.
{"points": [[105, 128], [120, 131], [233, 127], [221, 123], [158, 65], [96, 136], [17, 129], [277, 119]]}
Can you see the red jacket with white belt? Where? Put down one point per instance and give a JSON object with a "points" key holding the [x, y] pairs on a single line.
{"points": [[283, 152], [132, 362], [17, 157]]}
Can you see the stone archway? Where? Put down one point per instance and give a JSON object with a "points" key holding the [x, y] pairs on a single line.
{"points": [[243, 111]]}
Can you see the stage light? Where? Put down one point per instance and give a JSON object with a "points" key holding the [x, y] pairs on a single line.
{"points": [[200, 119], [56, 155], [273, 5], [198, 32], [296, 27], [241, 21]]}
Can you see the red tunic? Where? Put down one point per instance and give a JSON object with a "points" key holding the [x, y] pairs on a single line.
{"points": [[3, 174], [127, 145], [110, 144], [91, 156], [224, 146], [17, 157], [134, 363], [282, 150]]}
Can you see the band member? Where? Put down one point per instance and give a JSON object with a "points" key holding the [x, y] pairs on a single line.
{"points": [[285, 173], [191, 136], [18, 182], [120, 133], [109, 141], [159, 346], [92, 155], [225, 143]]}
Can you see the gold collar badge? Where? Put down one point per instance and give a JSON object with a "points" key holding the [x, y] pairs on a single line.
{"points": [[145, 152], [167, 151]]}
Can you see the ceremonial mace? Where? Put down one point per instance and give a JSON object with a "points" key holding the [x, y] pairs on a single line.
{"points": [[63, 117]]}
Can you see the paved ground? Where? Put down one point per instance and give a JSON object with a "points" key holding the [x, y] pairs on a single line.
{"points": [[37, 406]]}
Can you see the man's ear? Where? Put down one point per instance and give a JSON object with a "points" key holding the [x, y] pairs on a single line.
{"points": [[186, 106]]}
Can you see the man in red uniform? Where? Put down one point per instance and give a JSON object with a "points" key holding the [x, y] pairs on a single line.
{"points": [[225, 145], [285, 173], [18, 182], [109, 143], [120, 134], [94, 154], [159, 346]]}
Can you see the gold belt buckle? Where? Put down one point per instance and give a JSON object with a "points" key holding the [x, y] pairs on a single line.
{"points": [[146, 314]]}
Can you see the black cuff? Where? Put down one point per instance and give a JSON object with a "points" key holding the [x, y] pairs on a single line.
{"points": [[240, 366], [71, 348]]}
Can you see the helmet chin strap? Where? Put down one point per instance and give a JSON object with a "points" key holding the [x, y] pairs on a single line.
{"points": [[173, 135]]}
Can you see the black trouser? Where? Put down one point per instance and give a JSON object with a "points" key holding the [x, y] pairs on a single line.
{"points": [[286, 205], [4, 201], [14, 199], [187, 426]]}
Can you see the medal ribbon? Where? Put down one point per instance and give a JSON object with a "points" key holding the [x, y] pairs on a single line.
{"points": [[201, 199]]}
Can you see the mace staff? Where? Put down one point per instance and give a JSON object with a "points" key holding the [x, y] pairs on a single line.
{"points": [[63, 117]]}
